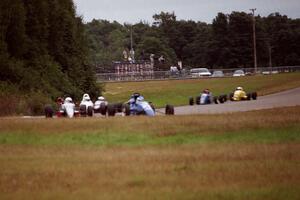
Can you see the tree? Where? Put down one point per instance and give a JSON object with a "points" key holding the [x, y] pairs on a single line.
{"points": [[220, 50], [43, 48], [240, 30]]}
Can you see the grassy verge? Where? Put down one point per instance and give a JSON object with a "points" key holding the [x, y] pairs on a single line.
{"points": [[176, 92], [251, 155], [254, 126]]}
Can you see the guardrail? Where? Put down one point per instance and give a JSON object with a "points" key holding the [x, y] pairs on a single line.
{"points": [[185, 74]]}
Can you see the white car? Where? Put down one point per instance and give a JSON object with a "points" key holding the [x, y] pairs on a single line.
{"points": [[238, 73], [200, 72], [270, 72], [218, 73]]}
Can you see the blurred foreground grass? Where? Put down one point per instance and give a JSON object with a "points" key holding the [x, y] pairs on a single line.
{"points": [[251, 155]]}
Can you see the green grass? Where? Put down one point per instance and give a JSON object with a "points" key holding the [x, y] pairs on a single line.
{"points": [[287, 134], [176, 92], [264, 126]]}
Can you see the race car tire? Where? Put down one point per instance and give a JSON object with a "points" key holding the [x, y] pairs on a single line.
{"points": [[221, 99], [118, 107], [249, 95], [225, 97], [254, 95], [231, 96], [191, 101], [216, 100], [198, 100], [103, 109], [48, 111], [126, 109], [169, 110], [111, 110], [82, 110], [90, 111]]}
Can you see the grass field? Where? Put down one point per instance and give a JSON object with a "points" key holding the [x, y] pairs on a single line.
{"points": [[251, 155], [177, 92]]}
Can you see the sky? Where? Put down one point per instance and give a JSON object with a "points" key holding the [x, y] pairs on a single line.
{"points": [[134, 11]]}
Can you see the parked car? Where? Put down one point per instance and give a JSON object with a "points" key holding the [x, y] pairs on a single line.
{"points": [[218, 74], [270, 72], [238, 73], [200, 72]]}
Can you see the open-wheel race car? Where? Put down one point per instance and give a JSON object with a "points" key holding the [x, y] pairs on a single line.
{"points": [[66, 108], [240, 95], [136, 106], [206, 97], [86, 107]]}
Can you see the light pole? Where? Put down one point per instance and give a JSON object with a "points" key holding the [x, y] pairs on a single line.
{"points": [[254, 40]]}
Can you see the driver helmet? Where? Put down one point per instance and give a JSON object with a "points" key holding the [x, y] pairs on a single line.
{"points": [[140, 98], [68, 99], [101, 98], [86, 97], [206, 91], [135, 95], [239, 88], [60, 100]]}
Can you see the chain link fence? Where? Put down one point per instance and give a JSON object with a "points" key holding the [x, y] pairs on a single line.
{"points": [[185, 74]]}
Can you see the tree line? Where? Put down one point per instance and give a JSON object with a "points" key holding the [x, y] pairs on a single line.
{"points": [[226, 43], [43, 48]]}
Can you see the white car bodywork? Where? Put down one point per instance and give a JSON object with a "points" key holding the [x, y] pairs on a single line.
{"points": [[218, 74], [98, 104], [200, 72], [87, 103], [69, 109], [238, 73]]}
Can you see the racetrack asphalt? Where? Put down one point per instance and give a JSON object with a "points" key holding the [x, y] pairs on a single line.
{"points": [[281, 99]]}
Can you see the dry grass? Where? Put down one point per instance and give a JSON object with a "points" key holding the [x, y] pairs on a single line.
{"points": [[204, 170], [184, 172]]}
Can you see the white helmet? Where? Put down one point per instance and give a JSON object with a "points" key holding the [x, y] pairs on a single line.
{"points": [[140, 98], [239, 88], [68, 99], [101, 98], [86, 97]]}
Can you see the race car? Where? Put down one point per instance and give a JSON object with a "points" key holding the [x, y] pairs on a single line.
{"points": [[100, 106], [136, 105], [86, 106], [240, 95], [206, 97], [66, 108]]}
